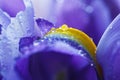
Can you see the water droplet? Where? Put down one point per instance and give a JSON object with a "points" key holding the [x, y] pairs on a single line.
{"points": [[20, 17], [81, 53], [49, 39], [21, 23], [53, 31], [42, 40], [91, 39], [91, 64], [64, 27], [35, 43]]}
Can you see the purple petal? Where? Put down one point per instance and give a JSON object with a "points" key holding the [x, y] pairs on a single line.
{"points": [[25, 43], [44, 26], [1, 77], [73, 15], [98, 23], [47, 63], [12, 7], [108, 51], [113, 5]]}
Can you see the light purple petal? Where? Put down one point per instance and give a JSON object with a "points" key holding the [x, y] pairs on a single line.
{"points": [[12, 7], [44, 26], [25, 43], [21, 26], [108, 51], [4, 19], [13, 30], [45, 9]]}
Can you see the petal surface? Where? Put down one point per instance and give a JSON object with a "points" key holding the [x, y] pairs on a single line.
{"points": [[13, 29], [12, 7], [108, 51], [44, 26], [48, 63]]}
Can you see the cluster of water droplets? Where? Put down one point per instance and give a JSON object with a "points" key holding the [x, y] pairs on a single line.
{"points": [[12, 30], [52, 38], [78, 48]]}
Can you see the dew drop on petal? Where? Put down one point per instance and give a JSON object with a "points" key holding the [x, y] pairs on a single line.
{"points": [[91, 64]]}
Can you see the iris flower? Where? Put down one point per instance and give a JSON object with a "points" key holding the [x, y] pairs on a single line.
{"points": [[36, 49]]}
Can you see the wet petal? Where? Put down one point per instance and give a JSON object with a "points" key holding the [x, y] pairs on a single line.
{"points": [[49, 62], [13, 29], [108, 51], [21, 26], [44, 26], [25, 43]]}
